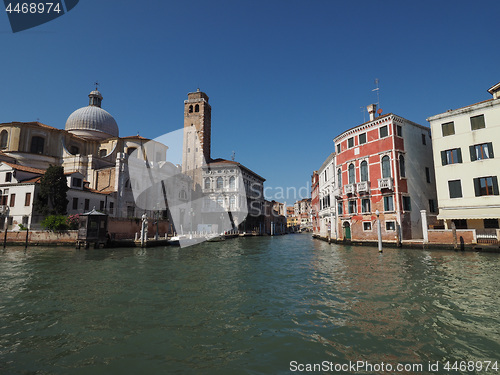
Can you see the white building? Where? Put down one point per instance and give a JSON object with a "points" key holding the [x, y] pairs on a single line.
{"points": [[464, 142], [327, 217]]}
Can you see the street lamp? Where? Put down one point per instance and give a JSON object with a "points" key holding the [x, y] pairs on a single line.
{"points": [[379, 231]]}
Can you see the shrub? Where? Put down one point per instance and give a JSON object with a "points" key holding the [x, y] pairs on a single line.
{"points": [[72, 221], [55, 222]]}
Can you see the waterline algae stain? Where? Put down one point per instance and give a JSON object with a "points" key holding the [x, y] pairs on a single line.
{"points": [[250, 305]]}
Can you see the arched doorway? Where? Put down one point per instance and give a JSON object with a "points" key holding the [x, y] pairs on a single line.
{"points": [[347, 230]]}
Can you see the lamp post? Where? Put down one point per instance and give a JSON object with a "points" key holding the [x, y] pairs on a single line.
{"points": [[379, 231]]}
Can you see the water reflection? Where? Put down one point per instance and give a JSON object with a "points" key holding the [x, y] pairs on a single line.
{"points": [[247, 305]]}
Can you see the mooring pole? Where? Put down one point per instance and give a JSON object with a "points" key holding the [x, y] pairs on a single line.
{"points": [[5, 238], [379, 231], [26, 244]]}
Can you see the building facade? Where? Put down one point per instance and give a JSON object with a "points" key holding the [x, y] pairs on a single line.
{"points": [[465, 143], [384, 165], [327, 186]]}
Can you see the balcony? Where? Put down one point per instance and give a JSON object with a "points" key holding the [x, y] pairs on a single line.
{"points": [[385, 183], [3, 209], [337, 193], [363, 187], [350, 189]]}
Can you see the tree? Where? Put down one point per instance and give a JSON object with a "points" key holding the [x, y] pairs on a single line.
{"points": [[52, 197]]}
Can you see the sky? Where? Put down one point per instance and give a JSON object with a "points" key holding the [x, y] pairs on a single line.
{"points": [[284, 77]]}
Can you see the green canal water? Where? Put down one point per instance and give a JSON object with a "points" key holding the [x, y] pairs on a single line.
{"points": [[245, 306]]}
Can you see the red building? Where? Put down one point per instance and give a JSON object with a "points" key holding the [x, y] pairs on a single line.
{"points": [[315, 202], [384, 165]]}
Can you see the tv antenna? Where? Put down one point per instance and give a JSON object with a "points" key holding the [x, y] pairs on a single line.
{"points": [[364, 113], [377, 89], [233, 155]]}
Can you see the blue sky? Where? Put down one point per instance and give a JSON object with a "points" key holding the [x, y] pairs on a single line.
{"points": [[284, 77]]}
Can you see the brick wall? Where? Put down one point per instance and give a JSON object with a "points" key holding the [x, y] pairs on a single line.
{"points": [[127, 228], [445, 236], [41, 237]]}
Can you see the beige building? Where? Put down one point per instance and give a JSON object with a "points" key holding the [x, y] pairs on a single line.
{"points": [[465, 142]]}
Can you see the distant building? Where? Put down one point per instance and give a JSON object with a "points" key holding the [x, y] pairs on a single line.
{"points": [[302, 210], [465, 142], [326, 187], [384, 165], [315, 202]]}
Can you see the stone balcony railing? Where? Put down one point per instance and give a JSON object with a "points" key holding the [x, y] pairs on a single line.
{"points": [[385, 183], [350, 189], [363, 187]]}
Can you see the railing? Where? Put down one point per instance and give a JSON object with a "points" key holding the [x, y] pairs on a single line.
{"points": [[350, 189], [363, 187], [385, 183], [486, 236]]}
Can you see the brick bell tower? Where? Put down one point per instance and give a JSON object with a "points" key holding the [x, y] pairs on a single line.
{"points": [[197, 130]]}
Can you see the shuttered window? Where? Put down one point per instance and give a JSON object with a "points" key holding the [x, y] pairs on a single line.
{"points": [[452, 156], [455, 188], [481, 151], [448, 128], [477, 122], [486, 186]]}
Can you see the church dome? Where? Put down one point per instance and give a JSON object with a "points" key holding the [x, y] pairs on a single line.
{"points": [[92, 122]]}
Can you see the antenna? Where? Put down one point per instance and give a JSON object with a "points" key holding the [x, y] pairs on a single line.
{"points": [[364, 113], [377, 90], [233, 155]]}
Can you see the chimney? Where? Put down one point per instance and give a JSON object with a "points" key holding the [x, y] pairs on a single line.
{"points": [[495, 91], [372, 109]]}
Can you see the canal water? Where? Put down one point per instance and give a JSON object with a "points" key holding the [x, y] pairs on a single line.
{"points": [[246, 306]]}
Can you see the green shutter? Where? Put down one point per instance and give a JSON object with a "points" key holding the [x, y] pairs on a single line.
{"points": [[459, 154], [495, 185], [477, 187], [443, 158], [472, 151], [490, 150]]}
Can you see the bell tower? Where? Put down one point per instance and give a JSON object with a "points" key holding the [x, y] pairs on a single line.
{"points": [[197, 130]]}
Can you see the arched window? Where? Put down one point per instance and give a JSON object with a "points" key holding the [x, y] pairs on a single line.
{"points": [[232, 182], [402, 168], [103, 152], [232, 202], [182, 194], [197, 108], [220, 201], [352, 178], [364, 170], [74, 150], [37, 144], [386, 167], [339, 177], [190, 109], [220, 183], [130, 150], [4, 137], [207, 183]]}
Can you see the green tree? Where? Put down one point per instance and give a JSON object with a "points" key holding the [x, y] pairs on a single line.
{"points": [[52, 197]]}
